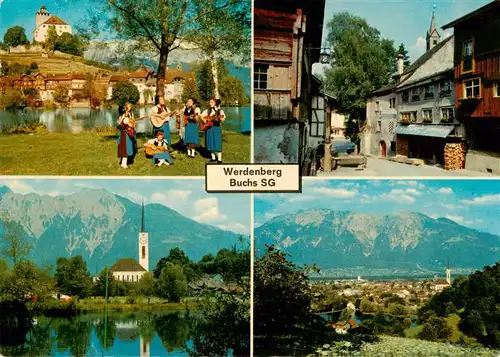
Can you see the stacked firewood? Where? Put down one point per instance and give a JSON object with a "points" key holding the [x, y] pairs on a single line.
{"points": [[454, 156]]}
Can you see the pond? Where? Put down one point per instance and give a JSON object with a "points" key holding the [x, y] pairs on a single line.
{"points": [[75, 120], [167, 334]]}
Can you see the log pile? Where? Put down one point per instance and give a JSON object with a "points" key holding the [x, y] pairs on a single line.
{"points": [[454, 156]]}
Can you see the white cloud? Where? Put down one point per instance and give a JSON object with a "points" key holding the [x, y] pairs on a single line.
{"points": [[446, 35], [446, 191], [462, 220], [207, 210], [270, 215], [19, 187], [54, 194], [134, 196], [408, 191], [301, 198], [411, 184], [234, 227], [420, 43], [171, 198], [335, 192], [458, 219], [484, 200], [450, 206], [398, 197]]}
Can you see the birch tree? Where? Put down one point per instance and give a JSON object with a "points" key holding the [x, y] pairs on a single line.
{"points": [[222, 30]]}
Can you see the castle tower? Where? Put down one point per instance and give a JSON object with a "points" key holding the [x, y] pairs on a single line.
{"points": [[41, 16], [144, 346], [448, 273], [143, 243], [433, 36]]}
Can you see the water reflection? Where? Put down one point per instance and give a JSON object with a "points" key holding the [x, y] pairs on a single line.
{"points": [[89, 335], [76, 120]]}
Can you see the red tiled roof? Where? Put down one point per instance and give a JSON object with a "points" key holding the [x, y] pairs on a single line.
{"points": [[140, 74], [118, 77], [54, 20]]}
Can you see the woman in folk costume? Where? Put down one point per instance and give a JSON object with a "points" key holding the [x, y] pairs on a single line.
{"points": [[159, 149], [160, 116], [127, 141], [212, 119], [191, 116]]}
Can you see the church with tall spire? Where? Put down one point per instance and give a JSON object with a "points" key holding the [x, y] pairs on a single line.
{"points": [[130, 269], [433, 36]]}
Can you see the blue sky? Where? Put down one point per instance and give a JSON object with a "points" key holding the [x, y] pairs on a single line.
{"points": [[22, 13], [472, 203], [186, 196], [404, 21]]}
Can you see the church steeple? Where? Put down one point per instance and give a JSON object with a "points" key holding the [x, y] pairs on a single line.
{"points": [[143, 242], [448, 272], [433, 36], [142, 218]]}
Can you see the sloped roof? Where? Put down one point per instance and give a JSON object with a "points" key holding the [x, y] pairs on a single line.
{"points": [[442, 282], [127, 264], [54, 20], [385, 89], [472, 14], [426, 56]]}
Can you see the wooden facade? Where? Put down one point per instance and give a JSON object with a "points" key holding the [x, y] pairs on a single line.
{"points": [[287, 42], [477, 75]]}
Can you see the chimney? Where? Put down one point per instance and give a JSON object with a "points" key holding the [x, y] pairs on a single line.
{"points": [[400, 64]]}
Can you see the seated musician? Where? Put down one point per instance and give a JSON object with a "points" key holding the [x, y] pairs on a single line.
{"points": [[159, 149]]}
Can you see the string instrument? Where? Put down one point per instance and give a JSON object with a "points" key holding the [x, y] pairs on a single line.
{"points": [[157, 119], [128, 126], [208, 121], [191, 116], [153, 150]]}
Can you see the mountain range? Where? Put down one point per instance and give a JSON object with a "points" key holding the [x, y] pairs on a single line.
{"points": [[103, 227], [406, 241], [112, 52]]}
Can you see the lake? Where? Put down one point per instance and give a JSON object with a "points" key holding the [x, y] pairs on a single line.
{"points": [[144, 335], [75, 120]]}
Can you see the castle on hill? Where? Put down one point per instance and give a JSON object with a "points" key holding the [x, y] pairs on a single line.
{"points": [[44, 20]]}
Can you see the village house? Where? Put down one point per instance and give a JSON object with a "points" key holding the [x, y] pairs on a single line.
{"points": [[426, 101], [286, 46], [145, 81], [476, 63], [44, 20], [378, 136]]}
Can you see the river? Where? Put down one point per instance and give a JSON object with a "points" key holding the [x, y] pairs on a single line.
{"points": [[75, 120], [144, 335]]}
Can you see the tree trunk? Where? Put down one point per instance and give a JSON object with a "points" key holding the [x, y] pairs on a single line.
{"points": [[215, 75], [162, 69]]}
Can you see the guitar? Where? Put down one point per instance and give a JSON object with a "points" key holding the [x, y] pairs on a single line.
{"points": [[153, 150], [159, 119], [208, 121], [190, 117]]}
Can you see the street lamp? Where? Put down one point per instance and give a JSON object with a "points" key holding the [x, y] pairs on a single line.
{"points": [[324, 57]]}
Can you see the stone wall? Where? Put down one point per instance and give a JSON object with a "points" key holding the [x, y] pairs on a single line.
{"points": [[24, 49], [276, 143], [482, 161]]}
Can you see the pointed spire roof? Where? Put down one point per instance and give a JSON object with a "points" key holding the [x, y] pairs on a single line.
{"points": [[142, 218], [433, 27]]}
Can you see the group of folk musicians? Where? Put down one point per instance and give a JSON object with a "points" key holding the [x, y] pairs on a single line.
{"points": [[189, 121]]}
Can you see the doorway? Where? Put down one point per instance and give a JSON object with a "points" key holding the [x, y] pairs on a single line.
{"points": [[383, 148]]}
